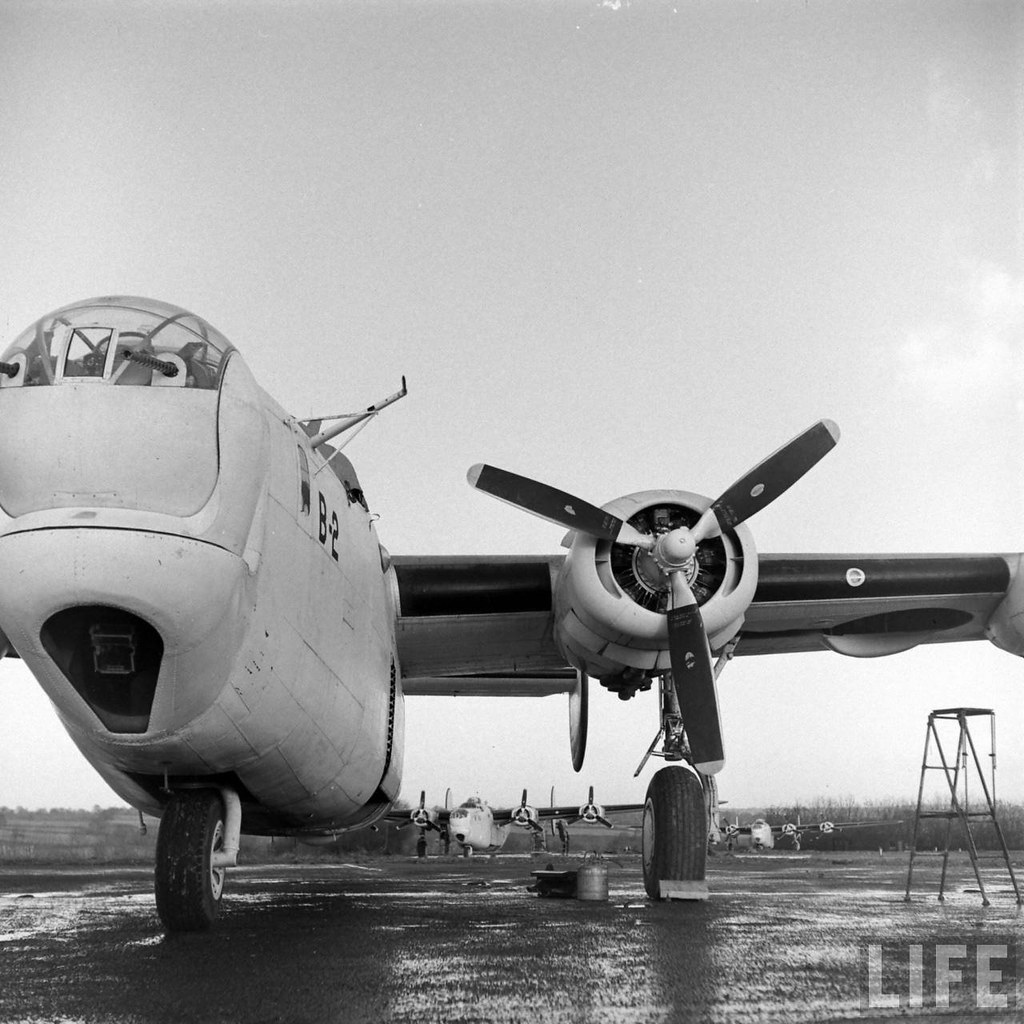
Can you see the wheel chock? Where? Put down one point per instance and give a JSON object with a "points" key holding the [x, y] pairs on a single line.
{"points": [[559, 884], [682, 890]]}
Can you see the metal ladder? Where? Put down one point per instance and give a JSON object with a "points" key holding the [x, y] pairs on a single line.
{"points": [[956, 779]]}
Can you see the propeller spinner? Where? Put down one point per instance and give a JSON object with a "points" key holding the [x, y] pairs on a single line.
{"points": [[673, 553]]}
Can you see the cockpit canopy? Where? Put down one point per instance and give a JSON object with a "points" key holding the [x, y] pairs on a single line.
{"points": [[117, 340]]}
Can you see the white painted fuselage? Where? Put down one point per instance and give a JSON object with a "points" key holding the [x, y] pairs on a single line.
{"points": [[201, 598], [472, 826], [759, 836]]}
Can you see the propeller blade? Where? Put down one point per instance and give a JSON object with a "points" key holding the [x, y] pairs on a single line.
{"points": [[579, 702], [554, 505], [605, 822], [767, 480], [694, 680]]}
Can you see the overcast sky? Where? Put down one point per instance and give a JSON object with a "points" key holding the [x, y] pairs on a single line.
{"points": [[612, 246]]}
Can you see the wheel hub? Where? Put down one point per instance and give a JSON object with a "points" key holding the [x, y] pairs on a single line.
{"points": [[217, 874]]}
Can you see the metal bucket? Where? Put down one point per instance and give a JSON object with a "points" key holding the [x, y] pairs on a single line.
{"points": [[592, 881]]}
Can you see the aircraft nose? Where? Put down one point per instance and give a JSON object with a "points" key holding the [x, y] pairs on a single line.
{"points": [[136, 635]]}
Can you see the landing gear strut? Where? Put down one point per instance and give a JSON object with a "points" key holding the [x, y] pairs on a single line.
{"points": [[681, 808], [196, 844]]}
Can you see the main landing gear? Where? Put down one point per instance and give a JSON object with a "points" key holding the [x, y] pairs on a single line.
{"points": [[675, 835], [680, 809], [197, 842]]}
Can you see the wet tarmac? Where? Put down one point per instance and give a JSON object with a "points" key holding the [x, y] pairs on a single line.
{"points": [[782, 938]]}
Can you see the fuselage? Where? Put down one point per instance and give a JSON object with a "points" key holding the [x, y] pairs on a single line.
{"points": [[201, 595], [760, 836], [472, 826]]}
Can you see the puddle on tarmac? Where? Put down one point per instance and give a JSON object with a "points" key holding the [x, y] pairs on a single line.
{"points": [[784, 943]]}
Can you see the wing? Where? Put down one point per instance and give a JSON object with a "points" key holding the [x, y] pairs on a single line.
{"points": [[437, 814], [503, 815], [550, 813], [869, 605], [479, 626], [834, 826], [860, 824], [485, 625]]}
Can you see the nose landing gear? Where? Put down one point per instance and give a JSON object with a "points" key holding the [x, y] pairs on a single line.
{"points": [[197, 842]]}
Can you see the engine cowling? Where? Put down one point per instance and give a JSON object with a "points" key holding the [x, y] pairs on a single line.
{"points": [[525, 816], [424, 817], [611, 600]]}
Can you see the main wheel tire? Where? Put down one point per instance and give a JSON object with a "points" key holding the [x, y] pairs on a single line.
{"points": [[188, 886], [675, 834]]}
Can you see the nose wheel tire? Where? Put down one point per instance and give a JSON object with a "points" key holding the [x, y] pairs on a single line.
{"points": [[188, 886], [675, 831]]}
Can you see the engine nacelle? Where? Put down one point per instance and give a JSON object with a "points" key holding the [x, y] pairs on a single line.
{"points": [[611, 600], [423, 817], [591, 813], [525, 816]]}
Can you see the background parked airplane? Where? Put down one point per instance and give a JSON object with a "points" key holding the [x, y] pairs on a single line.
{"points": [[759, 835], [476, 827]]}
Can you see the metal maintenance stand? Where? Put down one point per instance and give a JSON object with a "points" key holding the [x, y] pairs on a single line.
{"points": [[956, 776]]}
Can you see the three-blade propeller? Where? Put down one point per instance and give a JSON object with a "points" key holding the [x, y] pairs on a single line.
{"points": [[420, 816], [525, 816], [592, 813], [673, 552]]}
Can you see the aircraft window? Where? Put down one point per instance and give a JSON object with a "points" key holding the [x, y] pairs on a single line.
{"points": [[304, 491], [121, 340], [87, 351]]}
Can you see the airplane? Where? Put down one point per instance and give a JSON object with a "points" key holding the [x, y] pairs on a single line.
{"points": [[194, 578], [759, 835], [477, 827]]}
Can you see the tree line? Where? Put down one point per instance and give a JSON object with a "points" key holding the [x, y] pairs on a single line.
{"points": [[898, 818], [114, 835]]}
